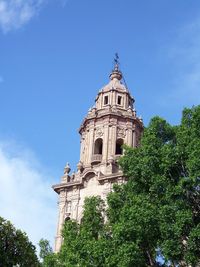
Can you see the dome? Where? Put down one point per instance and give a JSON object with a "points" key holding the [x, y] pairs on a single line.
{"points": [[115, 81], [114, 84]]}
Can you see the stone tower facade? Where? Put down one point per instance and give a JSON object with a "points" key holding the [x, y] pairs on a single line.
{"points": [[111, 123]]}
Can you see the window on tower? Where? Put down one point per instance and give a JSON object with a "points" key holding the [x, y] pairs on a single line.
{"points": [[98, 146], [106, 100], [119, 100], [119, 149]]}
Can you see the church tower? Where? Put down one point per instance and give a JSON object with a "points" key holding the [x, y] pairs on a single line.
{"points": [[111, 123]]}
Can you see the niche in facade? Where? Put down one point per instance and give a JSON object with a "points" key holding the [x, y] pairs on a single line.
{"points": [[98, 146], [119, 149]]}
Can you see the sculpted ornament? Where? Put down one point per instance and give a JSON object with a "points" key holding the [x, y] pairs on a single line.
{"points": [[121, 132], [62, 199], [68, 208], [99, 132]]}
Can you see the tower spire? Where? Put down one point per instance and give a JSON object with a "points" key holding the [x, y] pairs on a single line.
{"points": [[116, 60], [116, 73]]}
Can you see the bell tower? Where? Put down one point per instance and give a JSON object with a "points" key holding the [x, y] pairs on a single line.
{"points": [[108, 125]]}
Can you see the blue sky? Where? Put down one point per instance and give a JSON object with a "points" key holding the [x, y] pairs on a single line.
{"points": [[54, 57]]}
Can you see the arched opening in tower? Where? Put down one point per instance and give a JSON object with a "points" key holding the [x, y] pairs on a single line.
{"points": [[119, 149], [98, 146]]}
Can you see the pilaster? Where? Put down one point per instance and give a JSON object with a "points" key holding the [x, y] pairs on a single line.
{"points": [[91, 142], [113, 139], [61, 219], [105, 141]]}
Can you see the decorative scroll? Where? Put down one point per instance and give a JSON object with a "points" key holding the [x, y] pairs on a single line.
{"points": [[121, 132], [99, 132]]}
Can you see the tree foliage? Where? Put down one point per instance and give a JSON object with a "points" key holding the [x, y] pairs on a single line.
{"points": [[165, 172], [45, 248], [156, 213], [15, 247], [83, 243]]}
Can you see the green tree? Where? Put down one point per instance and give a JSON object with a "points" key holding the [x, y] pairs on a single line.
{"points": [[49, 259], [165, 171], [84, 244], [15, 247], [45, 248]]}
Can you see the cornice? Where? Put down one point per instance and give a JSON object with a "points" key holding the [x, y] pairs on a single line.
{"points": [[111, 115], [70, 185]]}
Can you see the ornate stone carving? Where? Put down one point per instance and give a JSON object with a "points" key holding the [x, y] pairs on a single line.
{"points": [[121, 132], [99, 132], [62, 198], [114, 108], [80, 167], [67, 169], [68, 207]]}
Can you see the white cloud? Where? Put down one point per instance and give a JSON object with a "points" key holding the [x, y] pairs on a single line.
{"points": [[26, 196], [15, 13], [64, 2]]}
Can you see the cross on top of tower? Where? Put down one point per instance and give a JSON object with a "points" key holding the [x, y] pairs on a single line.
{"points": [[116, 60], [116, 73]]}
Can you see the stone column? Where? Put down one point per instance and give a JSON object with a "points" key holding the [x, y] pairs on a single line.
{"points": [[113, 139], [129, 135], [101, 101], [105, 141], [134, 136], [109, 141], [113, 98], [126, 104], [91, 143], [86, 146], [75, 203], [61, 219], [82, 142]]}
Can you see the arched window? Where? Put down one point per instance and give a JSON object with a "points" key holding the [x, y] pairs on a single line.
{"points": [[119, 149], [98, 146]]}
